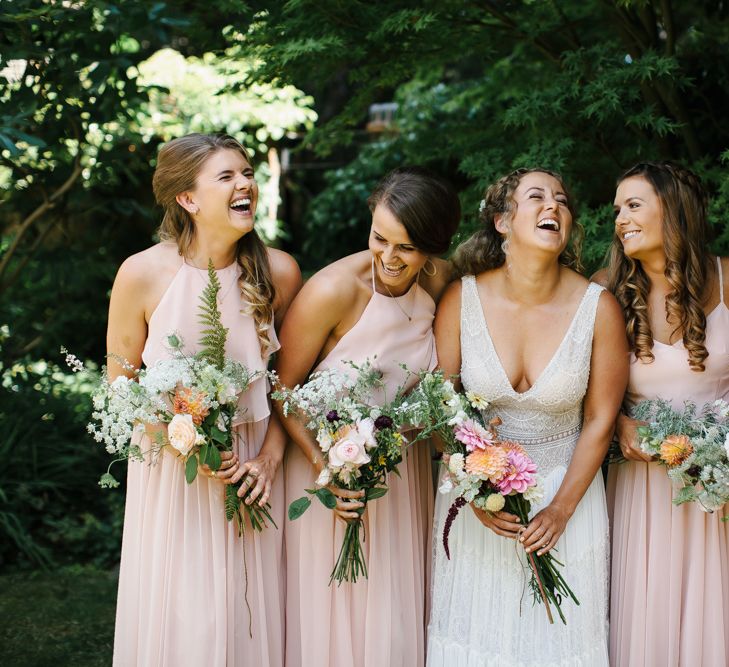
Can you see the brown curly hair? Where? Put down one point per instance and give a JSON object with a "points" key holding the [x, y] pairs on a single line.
{"points": [[178, 165], [486, 249], [684, 204]]}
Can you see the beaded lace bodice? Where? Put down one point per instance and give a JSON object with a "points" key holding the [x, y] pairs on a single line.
{"points": [[545, 419]]}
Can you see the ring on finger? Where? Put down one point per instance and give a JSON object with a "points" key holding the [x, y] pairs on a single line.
{"points": [[213, 473]]}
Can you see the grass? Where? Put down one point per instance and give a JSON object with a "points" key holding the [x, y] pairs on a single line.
{"points": [[63, 618]]}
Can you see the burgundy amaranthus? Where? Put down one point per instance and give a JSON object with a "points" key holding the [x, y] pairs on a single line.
{"points": [[452, 513]]}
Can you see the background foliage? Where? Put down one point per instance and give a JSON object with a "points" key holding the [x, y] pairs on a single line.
{"points": [[90, 88]]}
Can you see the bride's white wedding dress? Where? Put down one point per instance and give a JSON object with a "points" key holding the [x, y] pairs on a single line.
{"points": [[482, 612]]}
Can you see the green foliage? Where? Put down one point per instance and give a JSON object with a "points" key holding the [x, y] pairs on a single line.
{"points": [[51, 508], [214, 335], [587, 88], [298, 507]]}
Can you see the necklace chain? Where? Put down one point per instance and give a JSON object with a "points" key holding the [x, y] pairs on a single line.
{"points": [[223, 291], [397, 303]]}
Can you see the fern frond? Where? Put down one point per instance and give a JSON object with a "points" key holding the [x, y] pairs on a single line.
{"points": [[214, 335]]}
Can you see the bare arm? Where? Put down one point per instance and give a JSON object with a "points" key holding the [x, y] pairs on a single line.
{"points": [[608, 380], [127, 328], [312, 317]]}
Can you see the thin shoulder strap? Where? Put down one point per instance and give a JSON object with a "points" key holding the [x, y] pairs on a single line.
{"points": [[721, 279], [372, 275]]}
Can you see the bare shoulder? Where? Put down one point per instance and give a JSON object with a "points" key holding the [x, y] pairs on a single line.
{"points": [[600, 277], [148, 267], [451, 299], [284, 269], [336, 286], [609, 312]]}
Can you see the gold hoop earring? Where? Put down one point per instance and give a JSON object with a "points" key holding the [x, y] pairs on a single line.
{"points": [[430, 274]]}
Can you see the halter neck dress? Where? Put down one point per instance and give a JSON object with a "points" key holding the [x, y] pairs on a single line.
{"points": [[182, 581], [670, 564], [380, 620]]}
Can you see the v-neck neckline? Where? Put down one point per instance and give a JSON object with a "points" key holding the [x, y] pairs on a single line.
{"points": [[565, 337]]}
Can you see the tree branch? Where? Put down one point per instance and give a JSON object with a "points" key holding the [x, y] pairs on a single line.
{"points": [[667, 16], [38, 212]]}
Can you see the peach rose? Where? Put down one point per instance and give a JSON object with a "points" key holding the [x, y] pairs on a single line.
{"points": [[182, 434]]}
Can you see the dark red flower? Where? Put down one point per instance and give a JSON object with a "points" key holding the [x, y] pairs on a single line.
{"points": [[383, 421]]}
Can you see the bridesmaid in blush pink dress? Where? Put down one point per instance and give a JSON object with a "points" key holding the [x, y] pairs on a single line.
{"points": [[670, 564], [182, 580], [378, 305]]}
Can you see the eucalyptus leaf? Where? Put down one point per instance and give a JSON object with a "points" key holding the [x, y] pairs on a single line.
{"points": [[298, 507], [328, 499], [191, 469]]}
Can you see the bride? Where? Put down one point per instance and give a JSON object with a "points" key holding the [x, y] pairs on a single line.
{"points": [[547, 350]]}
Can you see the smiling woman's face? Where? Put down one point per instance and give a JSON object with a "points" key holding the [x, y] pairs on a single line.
{"points": [[397, 260], [638, 218], [225, 194], [542, 217]]}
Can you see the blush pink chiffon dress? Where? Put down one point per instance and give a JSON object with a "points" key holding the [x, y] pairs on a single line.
{"points": [[378, 621], [182, 575], [670, 564]]}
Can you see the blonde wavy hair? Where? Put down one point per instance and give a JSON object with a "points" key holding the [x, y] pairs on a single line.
{"points": [[487, 248], [684, 205], [178, 165]]}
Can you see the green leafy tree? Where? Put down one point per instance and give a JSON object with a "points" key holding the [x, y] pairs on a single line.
{"points": [[587, 88]]}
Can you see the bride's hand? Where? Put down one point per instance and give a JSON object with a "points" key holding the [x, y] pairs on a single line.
{"points": [[626, 431], [502, 523], [347, 503], [545, 529]]}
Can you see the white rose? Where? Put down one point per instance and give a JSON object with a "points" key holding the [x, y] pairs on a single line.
{"points": [[182, 434], [366, 428], [349, 449], [325, 477]]}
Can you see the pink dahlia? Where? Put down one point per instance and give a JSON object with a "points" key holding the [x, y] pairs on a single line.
{"points": [[473, 435], [520, 473], [489, 463]]}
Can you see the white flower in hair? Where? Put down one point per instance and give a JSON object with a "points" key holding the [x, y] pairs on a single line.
{"points": [[482, 206]]}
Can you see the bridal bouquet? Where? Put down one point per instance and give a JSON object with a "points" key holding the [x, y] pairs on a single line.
{"points": [[360, 443], [483, 469], [195, 397], [694, 446]]}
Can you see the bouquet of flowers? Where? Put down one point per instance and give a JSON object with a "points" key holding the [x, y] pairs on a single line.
{"points": [[491, 473], [694, 446], [196, 397], [360, 442]]}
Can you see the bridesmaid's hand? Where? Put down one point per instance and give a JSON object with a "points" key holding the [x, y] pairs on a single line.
{"points": [[628, 439], [227, 470], [347, 503], [545, 529], [258, 474], [502, 523]]}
